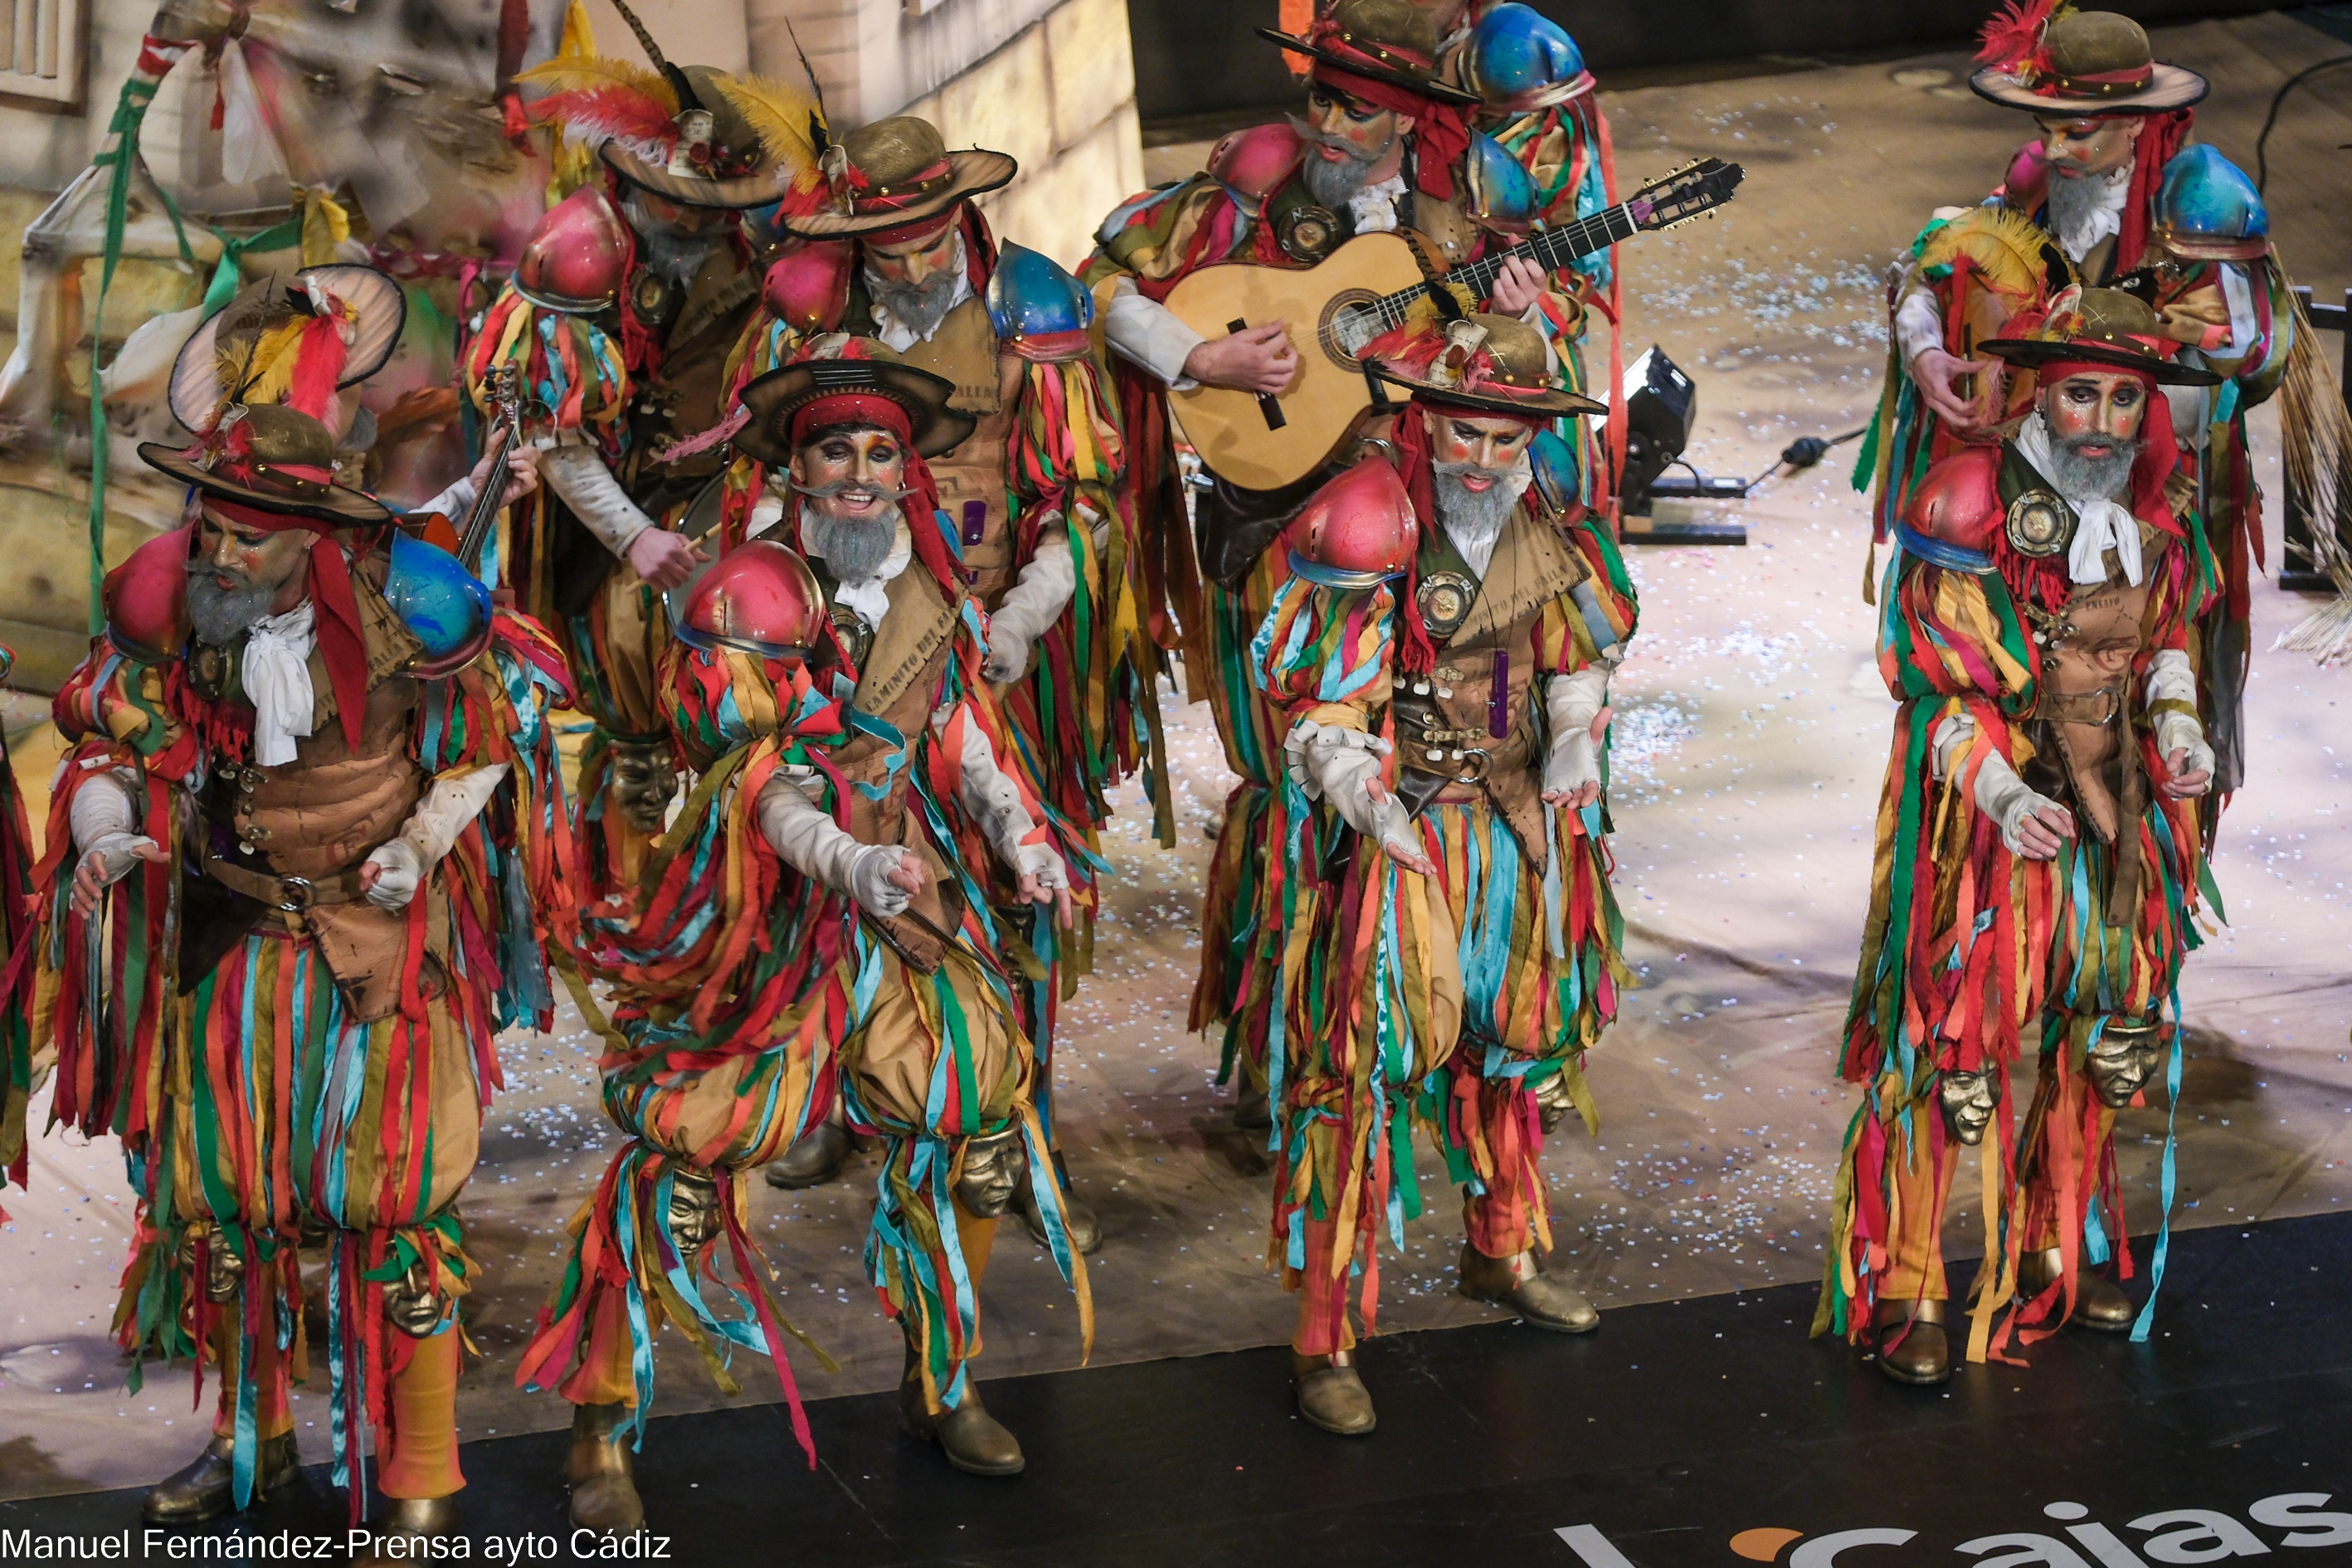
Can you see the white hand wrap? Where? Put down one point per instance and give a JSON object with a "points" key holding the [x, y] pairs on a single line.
{"points": [[1031, 605], [995, 802], [1572, 702], [1334, 763], [103, 817], [577, 472], [2000, 795], [813, 844], [453, 801], [2171, 678]]}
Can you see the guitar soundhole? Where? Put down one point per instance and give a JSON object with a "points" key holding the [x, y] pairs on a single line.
{"points": [[1348, 322]]}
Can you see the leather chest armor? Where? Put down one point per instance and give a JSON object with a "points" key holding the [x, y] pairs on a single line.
{"points": [[1471, 725], [971, 478], [906, 663]]}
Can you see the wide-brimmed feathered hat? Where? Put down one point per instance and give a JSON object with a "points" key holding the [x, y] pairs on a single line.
{"points": [[690, 134], [1490, 363], [2100, 327], [257, 383], [852, 371], [2048, 58], [895, 174]]}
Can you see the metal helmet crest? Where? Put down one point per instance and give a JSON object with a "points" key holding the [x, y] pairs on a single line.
{"points": [[1501, 194], [1030, 295], [578, 255]]}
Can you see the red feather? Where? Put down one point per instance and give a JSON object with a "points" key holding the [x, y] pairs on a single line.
{"points": [[2015, 33], [619, 112], [319, 363]]}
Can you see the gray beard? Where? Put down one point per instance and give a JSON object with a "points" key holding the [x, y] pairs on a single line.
{"points": [[2074, 204], [1474, 519], [918, 307], [674, 255], [1334, 184], [2076, 474], [219, 615], [855, 548]]}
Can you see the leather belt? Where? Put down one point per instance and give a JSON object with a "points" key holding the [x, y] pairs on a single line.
{"points": [[288, 895], [2104, 706]]}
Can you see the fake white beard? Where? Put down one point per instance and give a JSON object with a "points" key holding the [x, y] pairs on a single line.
{"points": [[919, 308], [1473, 520], [1334, 183], [2089, 209], [2090, 485], [863, 555]]}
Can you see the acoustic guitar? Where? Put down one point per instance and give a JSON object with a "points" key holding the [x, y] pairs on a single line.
{"points": [[1370, 285]]}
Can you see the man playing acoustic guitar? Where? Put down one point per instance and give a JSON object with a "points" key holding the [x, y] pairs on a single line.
{"points": [[1378, 150]]}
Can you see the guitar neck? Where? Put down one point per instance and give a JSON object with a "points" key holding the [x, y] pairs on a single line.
{"points": [[1551, 250], [485, 505]]}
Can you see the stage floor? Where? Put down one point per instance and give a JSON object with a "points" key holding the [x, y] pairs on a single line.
{"points": [[1681, 1433], [1751, 736]]}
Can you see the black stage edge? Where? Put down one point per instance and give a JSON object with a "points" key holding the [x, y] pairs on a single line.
{"points": [[1664, 1439]]}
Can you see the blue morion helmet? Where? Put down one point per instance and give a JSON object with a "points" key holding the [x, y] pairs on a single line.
{"points": [[443, 605], [1029, 295], [1518, 58], [2209, 211]]}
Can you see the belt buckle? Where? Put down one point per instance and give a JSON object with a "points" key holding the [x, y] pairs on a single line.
{"points": [[295, 894], [1477, 761]]}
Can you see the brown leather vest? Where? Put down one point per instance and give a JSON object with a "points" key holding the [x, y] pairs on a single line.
{"points": [[320, 815], [1460, 712], [965, 351], [899, 685]]}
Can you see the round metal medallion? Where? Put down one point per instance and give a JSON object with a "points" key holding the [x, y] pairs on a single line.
{"points": [[1307, 233], [655, 299], [1445, 600], [2037, 524]]}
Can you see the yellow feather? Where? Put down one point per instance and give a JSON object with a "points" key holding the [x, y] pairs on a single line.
{"points": [[2004, 247], [270, 371], [577, 73], [780, 114]]}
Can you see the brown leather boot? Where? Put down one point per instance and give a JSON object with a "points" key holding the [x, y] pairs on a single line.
{"points": [[2100, 1303], [974, 1441], [815, 1159], [603, 1472], [1252, 1112], [413, 1519], [1331, 1395], [207, 1488], [1520, 1284], [1922, 1355]]}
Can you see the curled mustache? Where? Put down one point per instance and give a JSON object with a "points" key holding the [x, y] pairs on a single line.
{"points": [[1309, 133]]}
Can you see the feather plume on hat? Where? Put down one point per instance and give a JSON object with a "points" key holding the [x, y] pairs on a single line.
{"points": [[594, 98], [790, 121], [2014, 38]]}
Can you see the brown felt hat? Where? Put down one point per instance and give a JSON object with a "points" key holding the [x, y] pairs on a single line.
{"points": [[738, 172], [897, 172], [1390, 41], [269, 445], [2091, 63], [2105, 326], [1507, 371], [774, 398]]}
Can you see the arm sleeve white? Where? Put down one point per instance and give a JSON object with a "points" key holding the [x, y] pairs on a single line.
{"points": [[1572, 702], [2171, 679], [1918, 324], [1336, 765], [105, 820], [1999, 793], [815, 845], [994, 801], [2238, 293], [578, 474], [1031, 605], [454, 502], [455, 800], [1148, 332]]}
